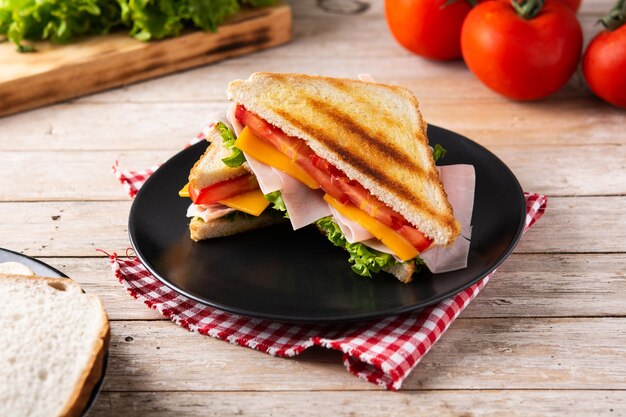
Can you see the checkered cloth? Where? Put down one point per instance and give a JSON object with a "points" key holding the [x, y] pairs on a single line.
{"points": [[382, 351]]}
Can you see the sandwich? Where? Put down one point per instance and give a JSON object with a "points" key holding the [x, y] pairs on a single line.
{"points": [[349, 156], [225, 195]]}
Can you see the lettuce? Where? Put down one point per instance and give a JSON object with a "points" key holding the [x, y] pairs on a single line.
{"points": [[364, 259], [61, 21], [276, 198], [237, 158], [439, 152]]}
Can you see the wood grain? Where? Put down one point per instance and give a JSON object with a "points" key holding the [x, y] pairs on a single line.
{"points": [[57, 73], [502, 353], [526, 285], [153, 126], [448, 403]]}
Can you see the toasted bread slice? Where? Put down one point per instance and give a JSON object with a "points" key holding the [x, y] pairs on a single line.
{"points": [[210, 169], [52, 346], [373, 132], [200, 230]]}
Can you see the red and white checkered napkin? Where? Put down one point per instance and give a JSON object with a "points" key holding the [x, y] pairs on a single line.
{"points": [[382, 351]]}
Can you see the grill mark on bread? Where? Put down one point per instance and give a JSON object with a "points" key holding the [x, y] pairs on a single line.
{"points": [[389, 183], [348, 123], [370, 107]]}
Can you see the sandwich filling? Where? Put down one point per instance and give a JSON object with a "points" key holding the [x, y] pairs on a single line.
{"points": [[343, 194]]}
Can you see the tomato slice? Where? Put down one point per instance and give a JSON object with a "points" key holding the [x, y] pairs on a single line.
{"points": [[333, 181], [223, 189]]}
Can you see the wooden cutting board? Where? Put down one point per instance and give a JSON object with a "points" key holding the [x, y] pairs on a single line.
{"points": [[56, 73]]}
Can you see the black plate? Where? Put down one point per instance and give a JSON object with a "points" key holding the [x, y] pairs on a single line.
{"points": [[46, 270], [282, 275]]}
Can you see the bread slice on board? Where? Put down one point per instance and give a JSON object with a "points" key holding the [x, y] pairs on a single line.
{"points": [[53, 338], [373, 132]]}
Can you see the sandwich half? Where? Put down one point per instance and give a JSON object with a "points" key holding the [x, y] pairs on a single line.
{"points": [[225, 195], [358, 147]]}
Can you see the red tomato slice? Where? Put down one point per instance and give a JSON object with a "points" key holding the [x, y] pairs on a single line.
{"points": [[223, 189], [332, 180]]}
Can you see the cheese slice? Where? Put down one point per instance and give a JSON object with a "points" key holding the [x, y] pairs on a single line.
{"points": [[252, 202], [253, 145], [184, 192], [401, 247]]}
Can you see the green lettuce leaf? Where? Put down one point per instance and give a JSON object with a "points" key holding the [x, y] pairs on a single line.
{"points": [[61, 21], [237, 158], [276, 198], [439, 152], [364, 259]]}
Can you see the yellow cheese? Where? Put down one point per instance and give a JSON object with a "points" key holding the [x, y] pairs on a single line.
{"points": [[251, 202], [184, 192], [401, 247], [256, 147]]}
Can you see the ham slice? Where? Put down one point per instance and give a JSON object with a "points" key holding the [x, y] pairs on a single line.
{"points": [[268, 178], [237, 126], [353, 231], [459, 182], [209, 211], [304, 205]]}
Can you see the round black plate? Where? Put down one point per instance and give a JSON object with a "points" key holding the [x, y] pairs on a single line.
{"points": [[46, 270], [278, 274]]}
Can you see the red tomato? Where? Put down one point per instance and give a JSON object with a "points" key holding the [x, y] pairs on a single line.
{"points": [[572, 4], [430, 28], [523, 59], [332, 180], [224, 189], [604, 66]]}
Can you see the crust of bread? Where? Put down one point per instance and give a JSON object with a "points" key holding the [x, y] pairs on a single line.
{"points": [[92, 373], [200, 230], [373, 132], [403, 271], [210, 169]]}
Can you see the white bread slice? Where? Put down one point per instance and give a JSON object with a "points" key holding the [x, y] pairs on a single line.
{"points": [[210, 169], [200, 230], [52, 343], [373, 132]]}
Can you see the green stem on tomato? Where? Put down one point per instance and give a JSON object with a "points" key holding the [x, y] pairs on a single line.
{"points": [[527, 9], [616, 17]]}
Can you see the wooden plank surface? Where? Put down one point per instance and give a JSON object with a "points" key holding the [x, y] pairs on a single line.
{"points": [[59, 72], [446, 403], [514, 353], [545, 337]]}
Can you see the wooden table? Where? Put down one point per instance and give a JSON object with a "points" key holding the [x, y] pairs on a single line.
{"points": [[546, 336]]}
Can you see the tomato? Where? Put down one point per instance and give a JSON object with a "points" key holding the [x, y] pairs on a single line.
{"points": [[430, 28], [332, 181], [522, 58], [224, 189], [604, 66], [572, 4]]}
